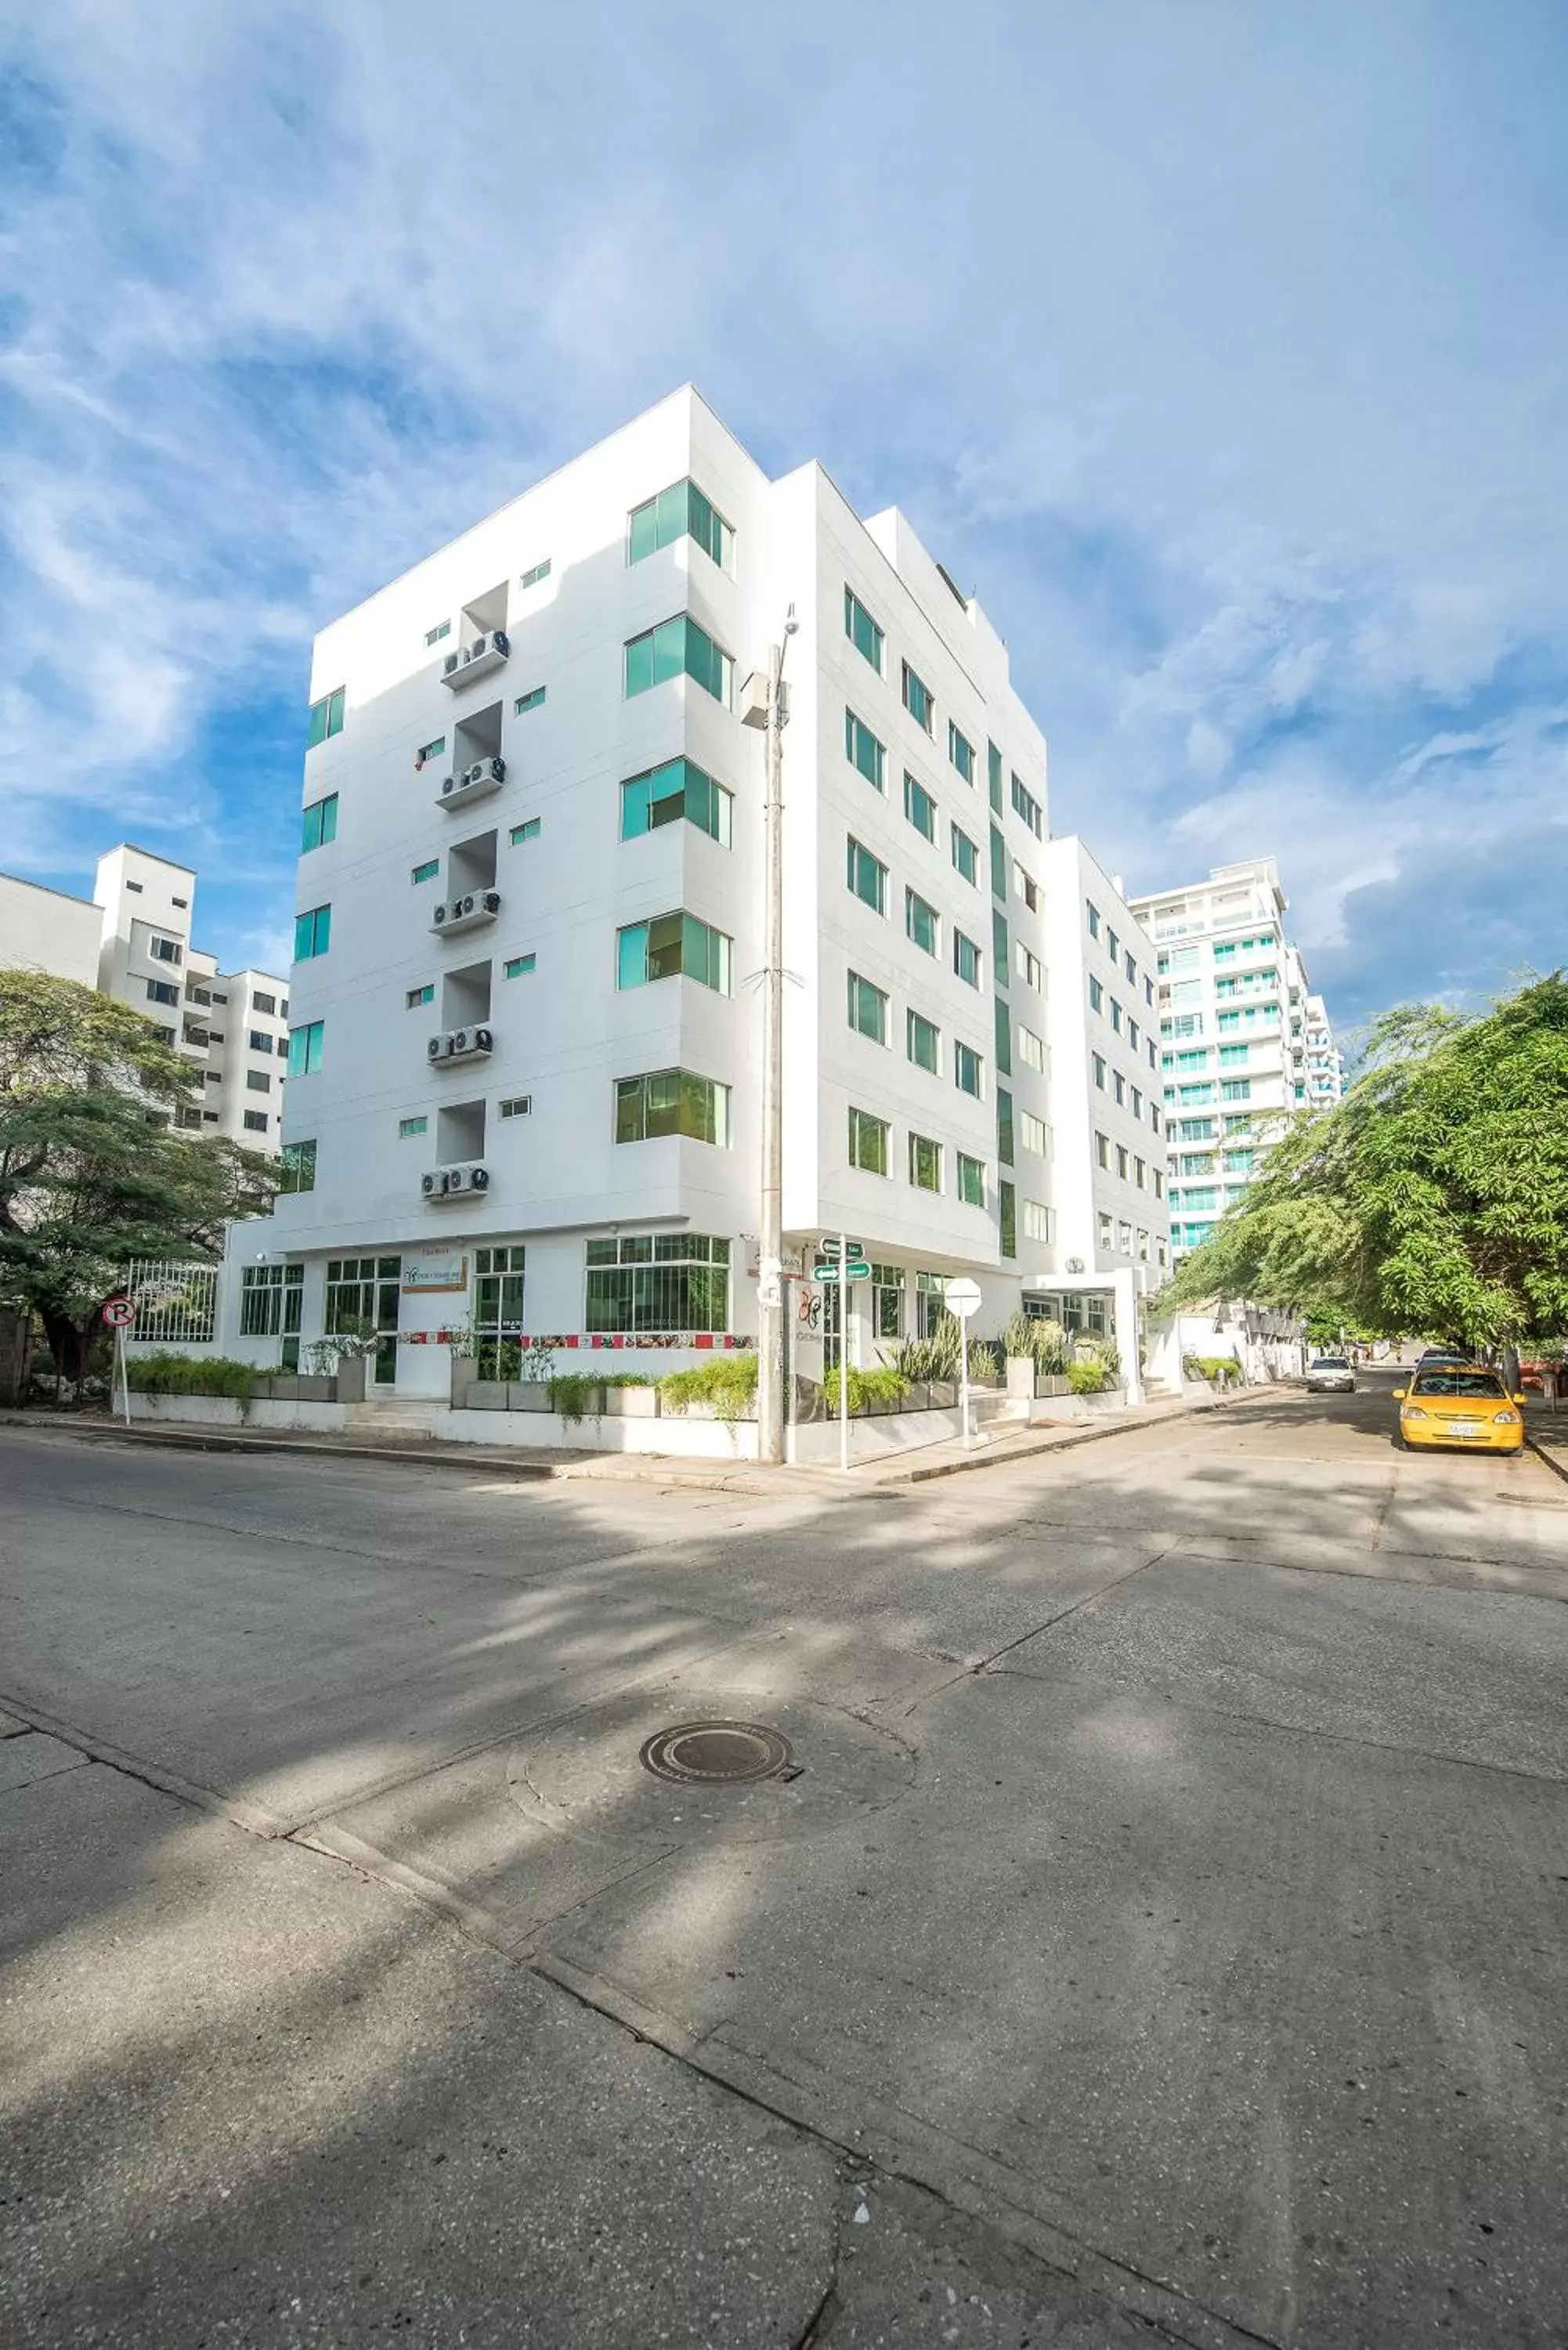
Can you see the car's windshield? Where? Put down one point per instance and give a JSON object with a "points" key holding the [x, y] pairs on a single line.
{"points": [[1331, 1362], [1459, 1383]]}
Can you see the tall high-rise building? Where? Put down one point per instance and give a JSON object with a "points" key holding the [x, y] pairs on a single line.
{"points": [[526, 1026], [1243, 1041]]}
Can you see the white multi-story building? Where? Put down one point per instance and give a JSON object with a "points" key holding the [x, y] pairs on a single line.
{"points": [[132, 940], [232, 1027], [524, 1056], [1243, 1043]]}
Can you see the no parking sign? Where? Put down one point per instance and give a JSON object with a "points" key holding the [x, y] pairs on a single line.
{"points": [[120, 1313]]}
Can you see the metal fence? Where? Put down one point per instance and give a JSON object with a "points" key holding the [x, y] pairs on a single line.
{"points": [[176, 1304]]}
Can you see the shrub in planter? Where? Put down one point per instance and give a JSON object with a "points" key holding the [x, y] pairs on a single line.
{"points": [[879, 1389], [1087, 1376], [198, 1375], [1219, 1370], [574, 1394], [728, 1383]]}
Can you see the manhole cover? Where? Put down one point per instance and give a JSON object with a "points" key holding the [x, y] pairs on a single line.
{"points": [[708, 1753]]}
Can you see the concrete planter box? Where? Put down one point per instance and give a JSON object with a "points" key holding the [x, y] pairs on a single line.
{"points": [[1024, 1383], [527, 1395], [351, 1379], [485, 1395], [632, 1403]]}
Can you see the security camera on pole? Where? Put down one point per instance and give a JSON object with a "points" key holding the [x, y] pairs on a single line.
{"points": [[765, 705]]}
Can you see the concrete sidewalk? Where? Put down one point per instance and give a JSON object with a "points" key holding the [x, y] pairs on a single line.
{"points": [[990, 1449]]}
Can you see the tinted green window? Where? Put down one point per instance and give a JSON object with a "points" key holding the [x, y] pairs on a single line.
{"points": [[678, 647], [998, 865], [923, 1042], [868, 1009], [862, 748], [925, 1163], [415, 996], [1004, 1039], [971, 1181], [534, 574], [1029, 809], [922, 922], [966, 854], [867, 1142], [866, 876], [527, 702], [920, 807], [425, 872], [312, 933], [998, 946], [862, 631], [518, 967], [1005, 1125], [326, 718], [665, 795], [993, 776], [320, 823], [671, 946], [968, 1069], [304, 1049], [680, 512], [298, 1168], [961, 751], [528, 830], [671, 1101], [408, 1128], [1007, 1217], [966, 959], [919, 700]]}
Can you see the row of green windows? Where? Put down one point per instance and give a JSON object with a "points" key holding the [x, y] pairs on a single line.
{"points": [[870, 1150], [678, 647], [682, 511], [920, 809], [865, 635], [866, 877], [673, 946]]}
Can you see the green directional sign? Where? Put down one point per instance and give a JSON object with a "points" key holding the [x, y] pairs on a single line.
{"points": [[855, 1269]]}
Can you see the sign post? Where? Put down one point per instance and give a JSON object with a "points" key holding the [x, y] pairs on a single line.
{"points": [[962, 1298], [120, 1313]]}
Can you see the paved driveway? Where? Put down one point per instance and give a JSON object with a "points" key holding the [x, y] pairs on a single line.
{"points": [[1165, 1930]]}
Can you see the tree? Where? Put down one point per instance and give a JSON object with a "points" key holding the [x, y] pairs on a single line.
{"points": [[92, 1172], [1434, 1197]]}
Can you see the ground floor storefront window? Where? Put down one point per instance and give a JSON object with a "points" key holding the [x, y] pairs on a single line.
{"points": [[364, 1296], [641, 1284], [498, 1311]]}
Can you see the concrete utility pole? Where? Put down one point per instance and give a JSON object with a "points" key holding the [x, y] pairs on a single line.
{"points": [[770, 1251]]}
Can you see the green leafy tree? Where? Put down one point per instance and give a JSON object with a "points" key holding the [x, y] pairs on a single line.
{"points": [[92, 1172], [1434, 1197]]}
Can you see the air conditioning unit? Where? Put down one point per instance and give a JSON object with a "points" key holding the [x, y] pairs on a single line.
{"points": [[436, 1183], [467, 912], [472, 783], [438, 1048], [460, 1041], [485, 653], [484, 1040], [473, 1176]]}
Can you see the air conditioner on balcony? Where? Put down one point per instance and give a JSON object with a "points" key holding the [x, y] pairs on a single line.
{"points": [[484, 1040], [460, 1041], [438, 1048], [436, 1183], [491, 900], [473, 1176], [449, 664]]}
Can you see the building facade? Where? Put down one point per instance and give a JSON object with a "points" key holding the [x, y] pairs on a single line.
{"points": [[131, 940], [524, 1031], [1243, 1042]]}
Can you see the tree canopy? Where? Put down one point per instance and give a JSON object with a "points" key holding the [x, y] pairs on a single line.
{"points": [[92, 1172], [1433, 1197]]}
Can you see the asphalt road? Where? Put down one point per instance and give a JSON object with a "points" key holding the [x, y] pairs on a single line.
{"points": [[1162, 1940]]}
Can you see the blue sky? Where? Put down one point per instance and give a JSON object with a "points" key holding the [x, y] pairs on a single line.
{"points": [[1220, 348]]}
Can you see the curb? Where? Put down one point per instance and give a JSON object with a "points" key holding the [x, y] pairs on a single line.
{"points": [[660, 1470], [1557, 1468]]}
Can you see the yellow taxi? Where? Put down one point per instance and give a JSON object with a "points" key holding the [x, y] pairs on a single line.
{"points": [[1459, 1404]]}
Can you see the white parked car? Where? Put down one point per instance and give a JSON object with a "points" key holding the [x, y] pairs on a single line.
{"points": [[1331, 1375]]}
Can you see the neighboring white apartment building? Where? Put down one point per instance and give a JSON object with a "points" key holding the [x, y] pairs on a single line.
{"points": [[525, 1054], [132, 940], [46, 930], [1243, 1043]]}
